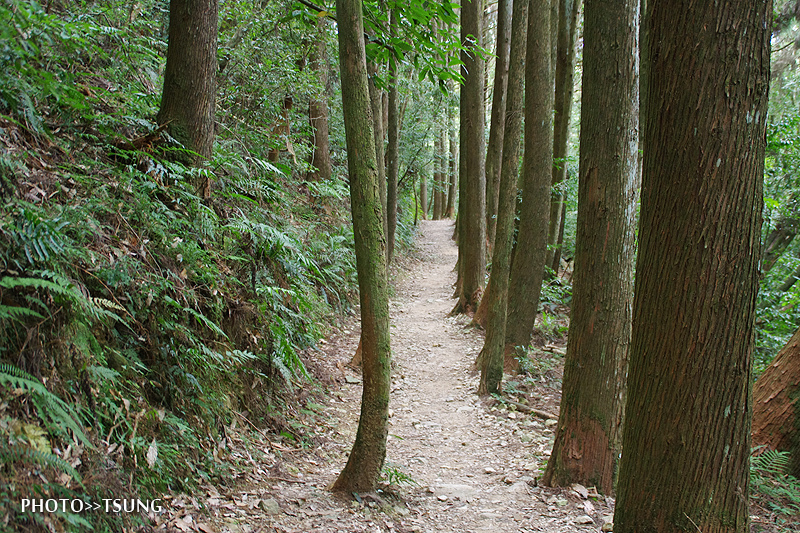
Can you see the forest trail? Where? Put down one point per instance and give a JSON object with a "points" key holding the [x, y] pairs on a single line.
{"points": [[475, 467]]}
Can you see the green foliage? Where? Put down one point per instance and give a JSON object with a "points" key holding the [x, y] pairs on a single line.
{"points": [[772, 487], [50, 407], [392, 474]]}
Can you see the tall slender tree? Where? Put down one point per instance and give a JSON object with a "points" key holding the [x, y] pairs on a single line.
{"points": [[472, 178], [364, 465], [318, 106], [190, 78], [686, 440], [494, 149], [393, 146], [589, 427], [565, 71], [491, 358], [528, 263]]}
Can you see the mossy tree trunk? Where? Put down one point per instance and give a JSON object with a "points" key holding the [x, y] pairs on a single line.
{"points": [[494, 149], [527, 267], [472, 178], [686, 440], [496, 298], [776, 404], [452, 167], [369, 450], [589, 427], [190, 78]]}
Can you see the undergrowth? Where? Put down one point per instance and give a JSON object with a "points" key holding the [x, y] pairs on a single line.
{"points": [[136, 316]]}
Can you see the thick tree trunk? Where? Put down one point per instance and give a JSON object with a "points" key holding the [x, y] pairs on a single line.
{"points": [[565, 71], [528, 263], [686, 440], [393, 152], [318, 108], [491, 358], [494, 150], [776, 404], [190, 78], [369, 450], [472, 177], [588, 435]]}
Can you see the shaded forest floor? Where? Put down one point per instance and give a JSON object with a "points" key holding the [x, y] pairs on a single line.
{"points": [[455, 462]]}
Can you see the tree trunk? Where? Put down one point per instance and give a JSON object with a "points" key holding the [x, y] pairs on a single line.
{"points": [[438, 176], [565, 71], [494, 150], [369, 450], [376, 103], [472, 177], [779, 240], [776, 409], [393, 151], [423, 194], [318, 108], [190, 78], [528, 264], [449, 211], [560, 242], [686, 440], [492, 355], [588, 435]]}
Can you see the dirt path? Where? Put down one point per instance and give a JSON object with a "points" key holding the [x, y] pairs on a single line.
{"points": [[475, 467]]}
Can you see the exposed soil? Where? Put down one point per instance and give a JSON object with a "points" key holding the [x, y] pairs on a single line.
{"points": [[474, 464]]}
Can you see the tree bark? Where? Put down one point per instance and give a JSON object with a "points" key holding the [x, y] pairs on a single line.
{"points": [[776, 404], [565, 71], [318, 108], [472, 177], [363, 468], [190, 78], [686, 440], [588, 435], [491, 359], [494, 150], [528, 263]]}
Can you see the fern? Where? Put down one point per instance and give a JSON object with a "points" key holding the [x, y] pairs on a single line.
{"points": [[58, 411], [17, 314], [9, 453], [770, 462]]}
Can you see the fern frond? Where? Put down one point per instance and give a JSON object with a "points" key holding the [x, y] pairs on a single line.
{"points": [[18, 453], [58, 411], [17, 314]]}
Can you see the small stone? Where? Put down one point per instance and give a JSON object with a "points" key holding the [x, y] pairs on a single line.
{"points": [[512, 415], [442, 497], [562, 502], [270, 506], [584, 519], [607, 527], [580, 490], [550, 422], [489, 470]]}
